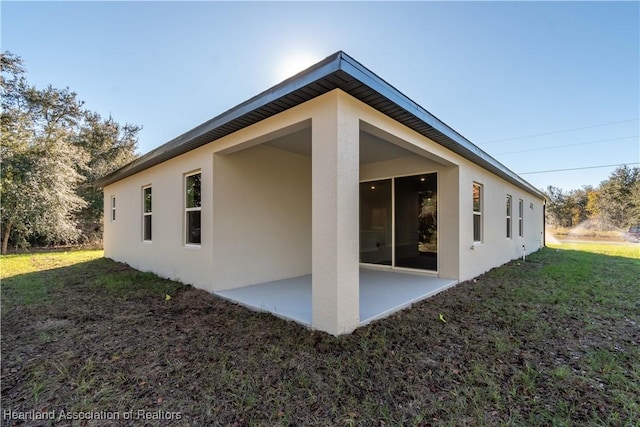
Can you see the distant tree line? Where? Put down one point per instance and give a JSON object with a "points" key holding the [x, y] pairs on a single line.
{"points": [[614, 204], [52, 151]]}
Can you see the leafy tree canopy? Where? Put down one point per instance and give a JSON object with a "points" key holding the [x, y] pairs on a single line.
{"points": [[52, 151], [615, 204]]}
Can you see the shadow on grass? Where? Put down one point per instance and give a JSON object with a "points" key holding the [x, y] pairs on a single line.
{"points": [[553, 340], [45, 286]]}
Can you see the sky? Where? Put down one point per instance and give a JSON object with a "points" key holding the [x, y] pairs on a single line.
{"points": [[540, 86]]}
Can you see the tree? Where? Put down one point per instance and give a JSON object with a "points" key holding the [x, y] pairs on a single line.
{"points": [[52, 152], [109, 146], [40, 163], [634, 212], [558, 207], [577, 204], [593, 205], [617, 203]]}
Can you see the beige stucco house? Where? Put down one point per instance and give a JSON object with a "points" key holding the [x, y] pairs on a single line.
{"points": [[321, 199]]}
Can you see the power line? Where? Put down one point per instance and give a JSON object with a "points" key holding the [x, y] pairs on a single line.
{"points": [[575, 169], [566, 145], [557, 131]]}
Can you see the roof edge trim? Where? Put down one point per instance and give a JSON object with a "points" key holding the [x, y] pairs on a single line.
{"points": [[317, 79]]}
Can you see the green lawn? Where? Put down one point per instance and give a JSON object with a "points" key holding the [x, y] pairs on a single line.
{"points": [[627, 250], [554, 340]]}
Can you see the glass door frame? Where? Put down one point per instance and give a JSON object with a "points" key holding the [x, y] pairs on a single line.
{"points": [[393, 225]]}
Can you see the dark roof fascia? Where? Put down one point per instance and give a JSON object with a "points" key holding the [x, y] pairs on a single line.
{"points": [[450, 138], [184, 142], [318, 79]]}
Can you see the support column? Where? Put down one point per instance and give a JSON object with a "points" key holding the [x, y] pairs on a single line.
{"points": [[335, 216]]}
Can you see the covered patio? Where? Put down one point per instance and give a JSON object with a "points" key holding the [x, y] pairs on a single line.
{"points": [[381, 292], [333, 221]]}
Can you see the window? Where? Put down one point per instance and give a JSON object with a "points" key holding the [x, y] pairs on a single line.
{"points": [[520, 214], [146, 214], [477, 212], [508, 216], [113, 208], [192, 208]]}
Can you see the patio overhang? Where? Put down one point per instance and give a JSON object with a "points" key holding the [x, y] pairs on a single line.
{"points": [[382, 293]]}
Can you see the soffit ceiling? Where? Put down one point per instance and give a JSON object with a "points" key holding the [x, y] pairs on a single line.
{"points": [[372, 148]]}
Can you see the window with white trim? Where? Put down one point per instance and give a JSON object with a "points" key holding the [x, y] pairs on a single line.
{"points": [[146, 213], [477, 212], [193, 207], [520, 217], [509, 199], [113, 208]]}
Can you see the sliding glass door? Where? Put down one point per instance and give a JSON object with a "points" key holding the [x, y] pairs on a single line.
{"points": [[398, 222]]}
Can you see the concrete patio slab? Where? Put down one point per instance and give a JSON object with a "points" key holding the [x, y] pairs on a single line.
{"points": [[382, 292]]}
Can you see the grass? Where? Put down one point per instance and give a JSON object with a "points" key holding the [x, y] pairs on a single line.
{"points": [[27, 288], [614, 249], [550, 341]]}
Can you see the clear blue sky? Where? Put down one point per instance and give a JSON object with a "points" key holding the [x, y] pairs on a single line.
{"points": [[494, 71]]}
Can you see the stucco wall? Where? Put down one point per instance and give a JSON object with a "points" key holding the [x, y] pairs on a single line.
{"points": [[495, 249], [166, 255], [262, 217], [256, 206], [335, 202], [259, 230]]}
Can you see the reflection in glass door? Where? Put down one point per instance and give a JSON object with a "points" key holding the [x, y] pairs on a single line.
{"points": [[412, 201], [416, 212], [375, 222]]}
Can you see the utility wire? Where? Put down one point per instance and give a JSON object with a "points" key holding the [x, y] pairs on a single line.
{"points": [[575, 169], [557, 131], [566, 145]]}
